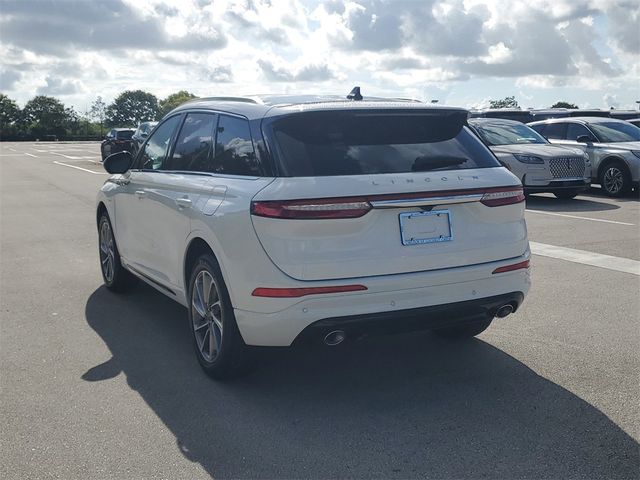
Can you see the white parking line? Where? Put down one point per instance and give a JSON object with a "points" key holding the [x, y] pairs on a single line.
{"points": [[31, 154], [79, 168], [581, 218], [66, 156], [610, 262]]}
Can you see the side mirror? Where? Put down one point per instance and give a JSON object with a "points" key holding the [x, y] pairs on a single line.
{"points": [[118, 162], [144, 135], [584, 139]]}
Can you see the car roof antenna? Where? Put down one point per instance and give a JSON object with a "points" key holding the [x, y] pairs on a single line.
{"points": [[355, 94]]}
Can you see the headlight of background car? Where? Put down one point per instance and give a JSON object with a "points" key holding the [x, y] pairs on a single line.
{"points": [[528, 159], [636, 153]]}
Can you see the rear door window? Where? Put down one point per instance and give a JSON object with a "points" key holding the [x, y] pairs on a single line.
{"points": [[234, 152], [575, 130], [194, 144], [556, 131], [125, 134], [358, 143]]}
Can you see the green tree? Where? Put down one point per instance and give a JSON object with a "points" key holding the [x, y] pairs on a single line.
{"points": [[98, 112], [506, 102], [10, 116], [563, 105], [48, 116], [132, 107], [174, 100]]}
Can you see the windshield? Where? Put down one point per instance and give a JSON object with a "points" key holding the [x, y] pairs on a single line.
{"points": [[493, 134], [349, 143], [612, 132]]}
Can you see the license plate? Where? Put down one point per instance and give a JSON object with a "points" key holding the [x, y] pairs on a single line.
{"points": [[417, 228]]}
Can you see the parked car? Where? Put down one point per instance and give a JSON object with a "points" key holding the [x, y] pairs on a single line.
{"points": [[623, 114], [523, 116], [544, 114], [141, 134], [540, 166], [584, 112], [282, 219], [613, 147], [116, 140]]}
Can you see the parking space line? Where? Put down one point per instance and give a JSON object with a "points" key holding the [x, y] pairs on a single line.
{"points": [[79, 168], [609, 262], [580, 218], [31, 154], [65, 156]]}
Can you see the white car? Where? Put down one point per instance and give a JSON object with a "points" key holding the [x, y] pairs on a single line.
{"points": [[281, 219], [540, 166]]}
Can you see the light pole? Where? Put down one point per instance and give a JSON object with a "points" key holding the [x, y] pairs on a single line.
{"points": [[638, 102]]}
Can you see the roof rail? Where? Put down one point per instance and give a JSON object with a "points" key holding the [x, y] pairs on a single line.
{"points": [[224, 99]]}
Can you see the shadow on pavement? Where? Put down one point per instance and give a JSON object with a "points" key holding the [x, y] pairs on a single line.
{"points": [[397, 407], [578, 204]]}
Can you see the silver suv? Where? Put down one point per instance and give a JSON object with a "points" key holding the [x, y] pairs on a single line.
{"points": [[613, 147], [540, 166]]}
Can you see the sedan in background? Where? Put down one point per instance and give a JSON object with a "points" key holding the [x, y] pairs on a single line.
{"points": [[613, 147], [540, 166], [117, 140], [141, 134]]}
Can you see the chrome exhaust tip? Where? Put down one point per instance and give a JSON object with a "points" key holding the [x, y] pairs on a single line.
{"points": [[504, 310], [334, 338]]}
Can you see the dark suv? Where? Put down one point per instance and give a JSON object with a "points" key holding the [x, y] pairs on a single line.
{"points": [[117, 140], [141, 134]]}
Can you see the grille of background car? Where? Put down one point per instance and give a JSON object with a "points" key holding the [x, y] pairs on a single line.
{"points": [[563, 167]]}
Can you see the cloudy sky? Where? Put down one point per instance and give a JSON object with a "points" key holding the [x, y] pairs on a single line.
{"points": [[462, 52]]}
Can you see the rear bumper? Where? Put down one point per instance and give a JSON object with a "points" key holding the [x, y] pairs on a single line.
{"points": [[394, 301], [415, 319]]}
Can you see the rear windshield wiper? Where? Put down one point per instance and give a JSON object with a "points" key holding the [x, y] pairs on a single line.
{"points": [[423, 164]]}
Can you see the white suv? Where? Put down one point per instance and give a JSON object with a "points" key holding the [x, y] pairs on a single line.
{"points": [[281, 219]]}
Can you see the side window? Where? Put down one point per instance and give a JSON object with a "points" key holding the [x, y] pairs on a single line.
{"points": [[234, 153], [157, 146], [194, 144], [540, 128], [575, 130], [556, 131]]}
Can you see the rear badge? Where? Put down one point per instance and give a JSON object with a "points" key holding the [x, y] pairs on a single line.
{"points": [[417, 228]]}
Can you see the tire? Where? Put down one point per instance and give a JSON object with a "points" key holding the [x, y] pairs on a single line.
{"points": [[466, 330], [116, 278], [566, 194], [615, 179], [219, 347]]}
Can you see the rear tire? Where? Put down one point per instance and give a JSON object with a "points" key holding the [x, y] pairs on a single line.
{"points": [[466, 330], [116, 277], [567, 194], [615, 179], [219, 347]]}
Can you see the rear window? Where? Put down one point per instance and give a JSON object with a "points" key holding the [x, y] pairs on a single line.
{"points": [[124, 135], [357, 143]]}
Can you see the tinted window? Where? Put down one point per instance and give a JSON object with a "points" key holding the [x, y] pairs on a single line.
{"points": [[507, 134], [612, 132], [575, 130], [555, 131], [353, 143], [157, 146], [194, 145], [234, 153], [124, 134]]}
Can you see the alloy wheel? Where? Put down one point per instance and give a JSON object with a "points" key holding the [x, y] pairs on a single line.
{"points": [[107, 251], [613, 180], [207, 315]]}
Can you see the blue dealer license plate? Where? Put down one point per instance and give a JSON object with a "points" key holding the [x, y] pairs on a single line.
{"points": [[417, 228]]}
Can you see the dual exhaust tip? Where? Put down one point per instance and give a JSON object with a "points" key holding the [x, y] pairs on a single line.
{"points": [[336, 337]]}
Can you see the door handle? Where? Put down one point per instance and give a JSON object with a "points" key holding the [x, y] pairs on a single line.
{"points": [[183, 202], [141, 193]]}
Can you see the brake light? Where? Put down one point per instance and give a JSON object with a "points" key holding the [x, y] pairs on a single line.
{"points": [[351, 207], [511, 268], [301, 292], [507, 196]]}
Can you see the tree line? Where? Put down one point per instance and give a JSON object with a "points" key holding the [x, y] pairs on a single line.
{"points": [[47, 118]]}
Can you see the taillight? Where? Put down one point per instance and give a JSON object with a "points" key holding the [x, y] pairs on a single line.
{"points": [[301, 292], [507, 196], [308, 209], [511, 268]]}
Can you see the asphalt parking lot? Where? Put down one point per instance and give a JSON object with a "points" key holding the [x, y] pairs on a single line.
{"points": [[96, 385]]}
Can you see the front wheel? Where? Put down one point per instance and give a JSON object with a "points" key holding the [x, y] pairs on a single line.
{"points": [[566, 194], [615, 180], [115, 276], [219, 347], [466, 330]]}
